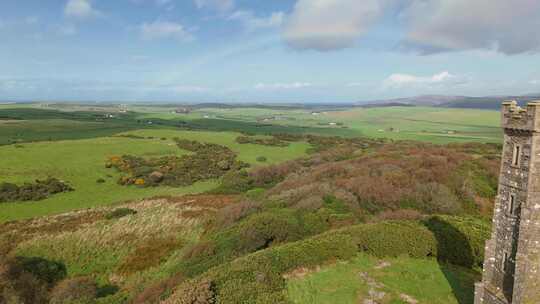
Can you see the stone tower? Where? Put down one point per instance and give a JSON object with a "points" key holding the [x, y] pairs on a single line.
{"points": [[512, 260]]}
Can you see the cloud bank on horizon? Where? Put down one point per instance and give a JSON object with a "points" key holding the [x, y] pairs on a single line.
{"points": [[291, 50]]}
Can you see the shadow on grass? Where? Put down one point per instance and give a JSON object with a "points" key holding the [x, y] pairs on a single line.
{"points": [[453, 248]]}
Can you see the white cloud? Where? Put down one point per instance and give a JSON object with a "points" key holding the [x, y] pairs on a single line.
{"points": [[535, 82], [252, 22], [509, 26], [219, 5], [283, 86], [80, 9], [406, 80], [164, 30], [330, 24]]}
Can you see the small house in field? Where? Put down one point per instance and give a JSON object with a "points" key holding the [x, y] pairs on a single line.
{"points": [[184, 110]]}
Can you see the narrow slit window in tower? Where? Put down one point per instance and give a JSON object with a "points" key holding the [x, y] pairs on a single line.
{"points": [[512, 205], [515, 155], [504, 262]]}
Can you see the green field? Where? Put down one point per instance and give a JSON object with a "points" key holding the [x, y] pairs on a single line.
{"points": [[72, 142], [393, 280], [81, 163], [440, 125]]}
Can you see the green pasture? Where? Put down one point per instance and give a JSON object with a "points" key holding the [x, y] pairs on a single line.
{"points": [[81, 163], [397, 279], [13, 131], [438, 125]]}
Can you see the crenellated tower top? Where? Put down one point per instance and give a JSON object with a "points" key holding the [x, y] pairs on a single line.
{"points": [[521, 119]]}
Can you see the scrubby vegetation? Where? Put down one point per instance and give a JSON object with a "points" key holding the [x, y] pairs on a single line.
{"points": [[430, 179], [270, 141], [208, 161], [39, 190], [241, 243]]}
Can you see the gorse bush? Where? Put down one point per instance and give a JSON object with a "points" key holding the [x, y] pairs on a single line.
{"points": [[460, 240], [259, 277], [273, 141], [28, 280], [39, 190], [253, 233], [45, 270], [208, 161]]}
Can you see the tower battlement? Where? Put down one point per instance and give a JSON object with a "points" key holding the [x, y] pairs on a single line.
{"points": [[518, 118]]}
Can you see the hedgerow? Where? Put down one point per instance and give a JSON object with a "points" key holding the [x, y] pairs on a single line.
{"points": [[272, 141]]}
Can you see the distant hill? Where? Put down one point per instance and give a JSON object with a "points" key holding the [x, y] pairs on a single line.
{"points": [[385, 105], [487, 103]]}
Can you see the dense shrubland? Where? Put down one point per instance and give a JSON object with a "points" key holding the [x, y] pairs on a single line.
{"points": [[260, 277], [427, 178], [349, 196], [207, 161], [384, 199], [39, 190]]}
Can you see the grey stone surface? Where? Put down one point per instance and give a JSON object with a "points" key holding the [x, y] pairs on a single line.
{"points": [[512, 256]]}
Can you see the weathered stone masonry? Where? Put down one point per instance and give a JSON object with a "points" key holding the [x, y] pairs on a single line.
{"points": [[512, 258]]}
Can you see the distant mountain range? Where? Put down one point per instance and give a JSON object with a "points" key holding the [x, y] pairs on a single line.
{"points": [[444, 101]]}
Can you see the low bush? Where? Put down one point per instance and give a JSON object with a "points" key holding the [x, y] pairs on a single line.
{"points": [[460, 240], [235, 182], [47, 271], [39, 190], [119, 213], [28, 280]]}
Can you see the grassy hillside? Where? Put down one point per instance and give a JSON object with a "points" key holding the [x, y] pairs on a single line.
{"points": [[82, 162], [389, 280], [313, 219]]}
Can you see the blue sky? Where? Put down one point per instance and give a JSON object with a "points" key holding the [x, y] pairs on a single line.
{"points": [[266, 50]]}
